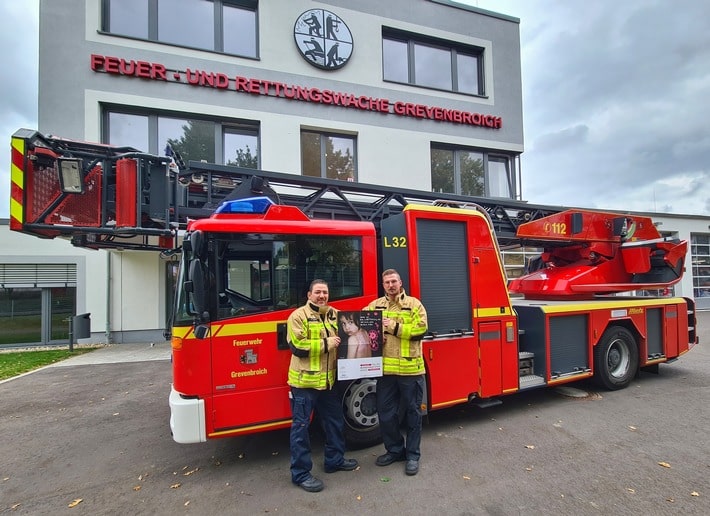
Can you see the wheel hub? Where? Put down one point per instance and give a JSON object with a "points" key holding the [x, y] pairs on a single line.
{"points": [[359, 404], [618, 360]]}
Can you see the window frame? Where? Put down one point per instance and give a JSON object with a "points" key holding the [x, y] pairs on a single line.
{"points": [[222, 128], [218, 27], [323, 156], [455, 49], [487, 157]]}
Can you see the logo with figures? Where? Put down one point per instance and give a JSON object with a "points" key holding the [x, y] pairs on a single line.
{"points": [[323, 39]]}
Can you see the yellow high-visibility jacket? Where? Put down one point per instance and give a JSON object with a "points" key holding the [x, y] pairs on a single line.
{"points": [[402, 349], [312, 366]]}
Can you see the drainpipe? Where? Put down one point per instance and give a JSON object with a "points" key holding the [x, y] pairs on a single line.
{"points": [[108, 296]]}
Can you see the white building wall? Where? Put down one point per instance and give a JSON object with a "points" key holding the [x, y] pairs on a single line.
{"points": [[137, 284]]}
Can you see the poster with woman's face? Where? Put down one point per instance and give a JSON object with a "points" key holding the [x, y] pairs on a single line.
{"points": [[360, 350]]}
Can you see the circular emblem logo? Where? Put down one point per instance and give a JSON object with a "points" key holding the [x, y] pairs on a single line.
{"points": [[323, 39]]}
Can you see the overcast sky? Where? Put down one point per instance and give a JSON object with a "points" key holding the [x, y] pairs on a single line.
{"points": [[616, 100]]}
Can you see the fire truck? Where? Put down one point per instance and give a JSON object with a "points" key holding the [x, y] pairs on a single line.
{"points": [[251, 241]]}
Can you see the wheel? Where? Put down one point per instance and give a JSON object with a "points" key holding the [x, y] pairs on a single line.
{"points": [[616, 358], [362, 426]]}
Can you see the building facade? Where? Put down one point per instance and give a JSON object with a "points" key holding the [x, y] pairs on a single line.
{"points": [[422, 94]]}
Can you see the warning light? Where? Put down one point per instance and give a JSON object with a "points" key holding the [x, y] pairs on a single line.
{"points": [[253, 205]]}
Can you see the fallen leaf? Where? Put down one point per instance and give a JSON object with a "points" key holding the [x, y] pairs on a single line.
{"points": [[466, 478], [15, 506], [670, 500], [358, 497], [175, 486], [694, 493], [664, 464], [75, 503], [530, 446], [5, 479], [137, 488], [384, 479], [187, 473]]}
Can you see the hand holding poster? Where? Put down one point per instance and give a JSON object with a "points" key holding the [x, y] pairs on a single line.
{"points": [[360, 350]]}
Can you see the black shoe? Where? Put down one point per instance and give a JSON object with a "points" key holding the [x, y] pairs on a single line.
{"points": [[388, 458], [312, 485], [346, 465], [412, 467]]}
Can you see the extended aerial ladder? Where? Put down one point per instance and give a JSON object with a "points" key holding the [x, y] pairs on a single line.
{"points": [[103, 196], [107, 197]]}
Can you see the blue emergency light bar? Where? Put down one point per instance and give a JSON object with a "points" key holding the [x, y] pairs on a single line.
{"points": [[253, 205]]}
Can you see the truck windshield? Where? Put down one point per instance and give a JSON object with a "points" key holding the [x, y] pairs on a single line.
{"points": [[253, 273]]}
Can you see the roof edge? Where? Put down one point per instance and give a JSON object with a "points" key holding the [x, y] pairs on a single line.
{"points": [[478, 10]]}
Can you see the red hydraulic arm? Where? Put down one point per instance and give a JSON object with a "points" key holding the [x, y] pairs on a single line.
{"points": [[590, 252]]}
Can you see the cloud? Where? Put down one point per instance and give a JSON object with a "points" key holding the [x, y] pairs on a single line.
{"points": [[19, 39], [561, 141], [615, 103]]}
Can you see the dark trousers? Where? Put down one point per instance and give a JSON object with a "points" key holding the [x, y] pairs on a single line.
{"points": [[405, 393], [326, 404]]}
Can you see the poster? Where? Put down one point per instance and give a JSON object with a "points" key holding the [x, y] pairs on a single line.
{"points": [[360, 350]]}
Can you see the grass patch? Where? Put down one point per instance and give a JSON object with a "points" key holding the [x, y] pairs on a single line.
{"points": [[18, 362]]}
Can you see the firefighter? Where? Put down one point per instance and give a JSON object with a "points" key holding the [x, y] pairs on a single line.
{"points": [[313, 339], [404, 323]]}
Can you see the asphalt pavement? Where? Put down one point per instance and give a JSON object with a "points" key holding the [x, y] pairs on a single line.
{"points": [[90, 435]]}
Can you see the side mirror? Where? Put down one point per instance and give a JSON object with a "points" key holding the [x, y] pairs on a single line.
{"points": [[198, 244], [198, 295]]}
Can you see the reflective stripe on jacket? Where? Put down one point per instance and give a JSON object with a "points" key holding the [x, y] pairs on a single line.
{"points": [[402, 349], [312, 367]]}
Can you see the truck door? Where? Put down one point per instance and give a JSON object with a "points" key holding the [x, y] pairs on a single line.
{"points": [[430, 251], [248, 379]]}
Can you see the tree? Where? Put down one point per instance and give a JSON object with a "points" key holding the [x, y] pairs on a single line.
{"points": [[197, 142], [244, 158], [472, 174], [447, 163], [339, 164]]}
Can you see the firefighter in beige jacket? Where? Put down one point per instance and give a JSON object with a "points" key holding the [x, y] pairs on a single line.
{"points": [[404, 323], [313, 339]]}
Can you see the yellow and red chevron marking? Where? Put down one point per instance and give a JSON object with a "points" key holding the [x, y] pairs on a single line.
{"points": [[17, 184]]}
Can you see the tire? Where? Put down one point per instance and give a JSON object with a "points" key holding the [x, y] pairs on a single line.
{"points": [[616, 358], [362, 426]]}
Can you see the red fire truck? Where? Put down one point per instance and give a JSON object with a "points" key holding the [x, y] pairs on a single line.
{"points": [[253, 240]]}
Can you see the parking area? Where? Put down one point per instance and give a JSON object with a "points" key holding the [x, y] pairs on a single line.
{"points": [[93, 433]]}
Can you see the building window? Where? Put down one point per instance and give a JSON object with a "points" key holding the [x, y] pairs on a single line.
{"points": [[517, 261], [241, 146], [471, 172], [214, 141], [700, 257], [36, 302], [432, 63], [328, 155], [228, 26]]}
